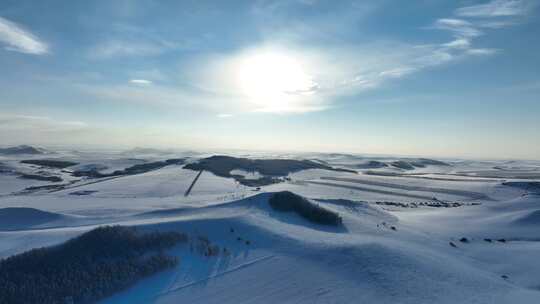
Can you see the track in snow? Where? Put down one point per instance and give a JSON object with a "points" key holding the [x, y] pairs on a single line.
{"points": [[233, 269], [470, 194], [424, 197]]}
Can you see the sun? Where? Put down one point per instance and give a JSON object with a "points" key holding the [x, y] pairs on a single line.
{"points": [[273, 80]]}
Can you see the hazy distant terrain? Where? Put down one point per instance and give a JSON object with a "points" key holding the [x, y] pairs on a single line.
{"points": [[271, 228]]}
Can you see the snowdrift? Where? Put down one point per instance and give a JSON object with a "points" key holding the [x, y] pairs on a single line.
{"points": [[21, 218], [530, 218]]}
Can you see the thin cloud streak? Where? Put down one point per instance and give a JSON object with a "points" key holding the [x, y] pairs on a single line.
{"points": [[460, 28], [32, 123], [140, 81], [495, 8], [20, 40], [115, 48]]}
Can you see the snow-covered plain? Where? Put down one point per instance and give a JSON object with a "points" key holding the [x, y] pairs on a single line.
{"points": [[383, 253]]}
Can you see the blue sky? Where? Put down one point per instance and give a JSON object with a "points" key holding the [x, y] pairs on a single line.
{"points": [[433, 78]]}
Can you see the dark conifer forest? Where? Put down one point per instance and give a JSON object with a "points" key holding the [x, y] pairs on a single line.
{"points": [[86, 268]]}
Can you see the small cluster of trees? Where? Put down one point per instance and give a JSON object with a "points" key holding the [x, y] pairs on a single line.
{"points": [[288, 201], [44, 178], [203, 246], [87, 268], [51, 163]]}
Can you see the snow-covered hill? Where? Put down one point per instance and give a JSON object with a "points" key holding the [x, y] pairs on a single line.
{"points": [[435, 237]]}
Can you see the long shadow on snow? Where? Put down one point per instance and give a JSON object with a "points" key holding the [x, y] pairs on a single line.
{"points": [[257, 202]]}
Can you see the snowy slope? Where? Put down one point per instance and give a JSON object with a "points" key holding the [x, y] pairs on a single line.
{"points": [[274, 257]]}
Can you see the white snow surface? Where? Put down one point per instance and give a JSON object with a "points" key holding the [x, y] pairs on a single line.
{"points": [[290, 260]]}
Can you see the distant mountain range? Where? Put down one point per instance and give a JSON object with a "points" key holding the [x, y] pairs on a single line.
{"points": [[22, 149], [139, 150]]}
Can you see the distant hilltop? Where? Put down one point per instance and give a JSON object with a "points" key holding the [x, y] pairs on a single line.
{"points": [[140, 150], [22, 149]]}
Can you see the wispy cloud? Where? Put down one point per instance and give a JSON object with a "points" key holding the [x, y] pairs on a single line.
{"points": [[495, 24], [353, 68], [16, 128], [399, 60], [459, 27], [397, 72], [348, 70], [334, 69], [126, 40], [161, 96], [32, 123], [20, 40], [476, 20], [140, 81], [496, 8], [460, 43], [482, 51], [117, 48]]}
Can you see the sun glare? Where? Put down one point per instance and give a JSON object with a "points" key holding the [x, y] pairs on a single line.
{"points": [[273, 81]]}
